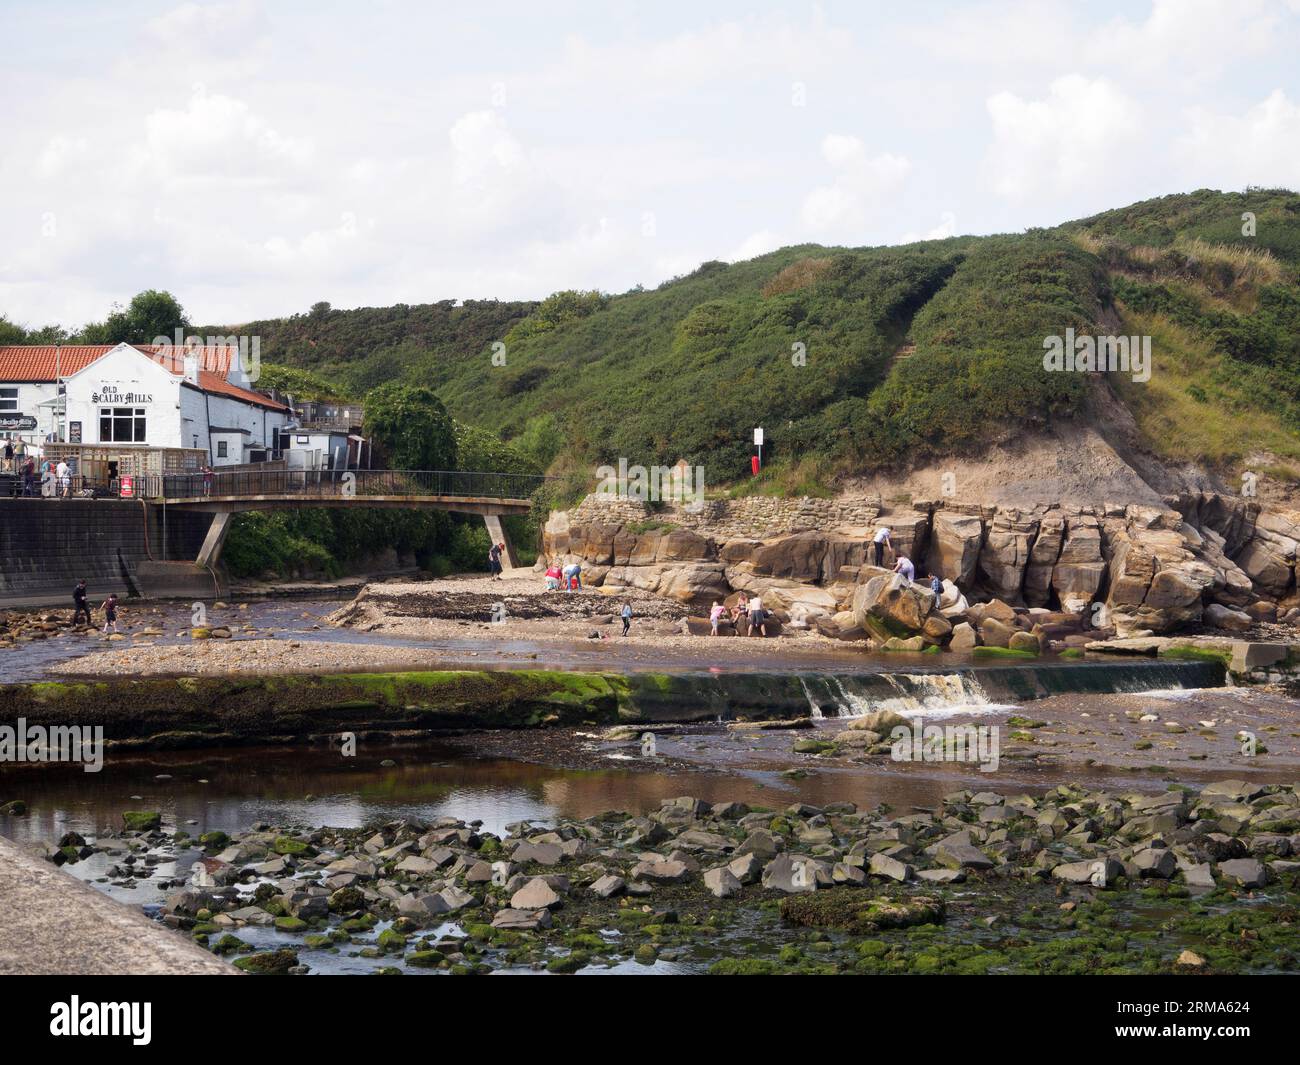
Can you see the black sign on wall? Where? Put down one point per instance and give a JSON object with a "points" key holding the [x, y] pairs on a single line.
{"points": [[74, 432], [17, 422]]}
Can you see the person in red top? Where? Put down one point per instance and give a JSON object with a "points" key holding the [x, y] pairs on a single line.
{"points": [[553, 576]]}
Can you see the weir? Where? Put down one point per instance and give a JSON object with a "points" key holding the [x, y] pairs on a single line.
{"points": [[970, 689]]}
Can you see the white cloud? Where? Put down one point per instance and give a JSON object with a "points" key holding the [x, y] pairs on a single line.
{"points": [[947, 227], [1259, 147], [219, 135], [1073, 138], [256, 157], [1190, 39], [754, 245], [861, 183]]}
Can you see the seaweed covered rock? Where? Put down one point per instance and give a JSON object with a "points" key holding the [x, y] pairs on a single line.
{"points": [[848, 910]]}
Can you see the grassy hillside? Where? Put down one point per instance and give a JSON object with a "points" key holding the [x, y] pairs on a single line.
{"points": [[1223, 310], [857, 358]]}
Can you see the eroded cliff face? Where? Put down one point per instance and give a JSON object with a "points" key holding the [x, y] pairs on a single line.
{"points": [[1058, 573]]}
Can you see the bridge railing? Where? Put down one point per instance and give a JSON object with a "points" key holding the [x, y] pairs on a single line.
{"points": [[334, 484]]}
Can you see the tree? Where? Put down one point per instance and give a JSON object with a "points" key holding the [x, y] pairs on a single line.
{"points": [[410, 428], [153, 314], [321, 309], [11, 333]]}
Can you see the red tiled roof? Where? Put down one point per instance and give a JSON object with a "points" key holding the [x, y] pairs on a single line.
{"points": [[29, 363], [35, 363]]}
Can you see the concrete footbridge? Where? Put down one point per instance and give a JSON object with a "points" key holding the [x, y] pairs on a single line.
{"points": [[225, 494]]}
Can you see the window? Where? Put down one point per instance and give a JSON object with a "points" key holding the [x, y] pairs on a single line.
{"points": [[8, 399], [121, 425], [221, 449]]}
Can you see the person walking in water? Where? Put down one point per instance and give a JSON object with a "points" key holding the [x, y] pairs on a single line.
{"points": [[110, 612], [79, 604], [626, 615], [879, 542]]}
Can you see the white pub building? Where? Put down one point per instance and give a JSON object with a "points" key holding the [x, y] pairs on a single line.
{"points": [[118, 400]]}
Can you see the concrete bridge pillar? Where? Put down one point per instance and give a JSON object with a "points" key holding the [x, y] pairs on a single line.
{"points": [[210, 552], [497, 534]]}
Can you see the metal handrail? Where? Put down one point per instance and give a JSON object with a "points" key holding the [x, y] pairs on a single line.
{"points": [[338, 484]]}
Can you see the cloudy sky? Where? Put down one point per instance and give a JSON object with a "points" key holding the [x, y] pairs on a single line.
{"points": [[255, 156]]}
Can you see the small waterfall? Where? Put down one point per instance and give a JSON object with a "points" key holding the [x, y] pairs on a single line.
{"points": [[932, 694], [999, 688], [815, 709]]}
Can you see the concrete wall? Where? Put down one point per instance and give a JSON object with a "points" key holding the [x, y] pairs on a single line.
{"points": [[46, 545]]}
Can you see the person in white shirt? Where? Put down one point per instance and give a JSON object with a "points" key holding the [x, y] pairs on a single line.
{"points": [[757, 619], [905, 567], [878, 542], [65, 482]]}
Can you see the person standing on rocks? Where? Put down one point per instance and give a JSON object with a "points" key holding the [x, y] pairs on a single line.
{"points": [[79, 604], [494, 561], [110, 612], [757, 618], [626, 615], [879, 542], [904, 566], [715, 616], [936, 586]]}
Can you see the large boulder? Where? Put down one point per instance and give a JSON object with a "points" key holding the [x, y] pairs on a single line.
{"points": [[892, 606], [1156, 582], [1080, 567], [1005, 555], [1046, 549], [684, 545], [955, 546], [1269, 555], [909, 531]]}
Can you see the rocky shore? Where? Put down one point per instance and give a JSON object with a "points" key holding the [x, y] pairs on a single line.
{"points": [[1071, 881], [1047, 577]]}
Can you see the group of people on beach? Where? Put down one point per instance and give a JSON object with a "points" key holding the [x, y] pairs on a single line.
{"points": [[81, 608], [569, 577], [743, 607]]}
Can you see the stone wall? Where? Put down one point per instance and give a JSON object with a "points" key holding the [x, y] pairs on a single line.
{"points": [[47, 545], [754, 517]]}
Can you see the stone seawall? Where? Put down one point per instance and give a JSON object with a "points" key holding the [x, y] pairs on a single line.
{"points": [[47, 545]]}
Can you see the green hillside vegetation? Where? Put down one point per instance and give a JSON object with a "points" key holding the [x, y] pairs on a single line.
{"points": [[363, 348], [851, 359], [855, 359]]}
